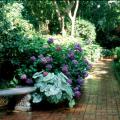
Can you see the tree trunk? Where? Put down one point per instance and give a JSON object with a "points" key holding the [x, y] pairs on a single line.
{"points": [[63, 27], [73, 27], [73, 17]]}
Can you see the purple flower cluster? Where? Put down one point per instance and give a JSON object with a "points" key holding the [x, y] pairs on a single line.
{"points": [[85, 74], [26, 80], [77, 93], [71, 55], [45, 60], [65, 69], [50, 40], [75, 62], [33, 58], [69, 81], [45, 74], [78, 47], [49, 59], [80, 81]]}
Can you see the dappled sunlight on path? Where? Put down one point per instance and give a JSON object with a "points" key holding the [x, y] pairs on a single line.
{"points": [[100, 100]]}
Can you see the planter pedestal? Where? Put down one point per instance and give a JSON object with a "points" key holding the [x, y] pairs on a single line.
{"points": [[20, 97]]}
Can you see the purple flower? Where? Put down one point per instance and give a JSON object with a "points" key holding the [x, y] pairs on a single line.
{"points": [[85, 74], [69, 81], [49, 66], [77, 94], [76, 88], [48, 59], [78, 47], [71, 55], [23, 77], [75, 62], [50, 41], [33, 58], [65, 68], [43, 60], [80, 81], [45, 74], [29, 81]]}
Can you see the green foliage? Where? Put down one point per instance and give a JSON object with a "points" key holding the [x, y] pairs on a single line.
{"points": [[52, 88], [107, 53], [85, 30], [18, 39], [117, 52], [92, 52]]}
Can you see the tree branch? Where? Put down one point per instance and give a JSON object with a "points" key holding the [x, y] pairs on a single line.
{"points": [[76, 8]]}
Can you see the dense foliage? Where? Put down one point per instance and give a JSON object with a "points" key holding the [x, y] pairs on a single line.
{"points": [[57, 66]]}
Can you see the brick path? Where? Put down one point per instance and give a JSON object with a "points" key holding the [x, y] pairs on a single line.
{"points": [[100, 100]]}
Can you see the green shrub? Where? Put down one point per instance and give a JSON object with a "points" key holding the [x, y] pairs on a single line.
{"points": [[117, 52], [107, 53], [18, 39], [85, 30]]}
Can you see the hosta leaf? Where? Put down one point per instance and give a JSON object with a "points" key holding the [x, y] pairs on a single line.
{"points": [[37, 75]]}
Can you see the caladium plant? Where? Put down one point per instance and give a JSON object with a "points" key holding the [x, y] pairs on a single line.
{"points": [[53, 87]]}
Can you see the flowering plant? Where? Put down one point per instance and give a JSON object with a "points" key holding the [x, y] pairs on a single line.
{"points": [[55, 59]]}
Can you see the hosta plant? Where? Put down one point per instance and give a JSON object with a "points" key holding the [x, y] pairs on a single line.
{"points": [[53, 88]]}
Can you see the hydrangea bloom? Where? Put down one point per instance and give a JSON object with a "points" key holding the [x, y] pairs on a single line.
{"points": [[45, 74], [80, 81], [77, 94], [43, 60], [65, 68], [50, 41], [75, 62], [33, 58], [49, 59], [78, 47], [71, 55], [69, 81], [85, 74], [76, 88]]}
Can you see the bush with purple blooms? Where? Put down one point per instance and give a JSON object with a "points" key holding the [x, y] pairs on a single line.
{"points": [[52, 58]]}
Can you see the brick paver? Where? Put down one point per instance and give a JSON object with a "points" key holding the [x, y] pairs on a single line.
{"points": [[100, 100]]}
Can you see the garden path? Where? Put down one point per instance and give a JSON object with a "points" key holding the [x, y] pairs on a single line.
{"points": [[100, 100]]}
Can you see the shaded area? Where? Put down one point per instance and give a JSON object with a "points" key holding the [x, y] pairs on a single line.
{"points": [[100, 100]]}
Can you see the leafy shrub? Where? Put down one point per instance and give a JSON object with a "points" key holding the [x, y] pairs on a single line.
{"points": [[53, 88], [85, 30], [18, 39], [54, 58], [117, 52], [107, 53], [92, 52]]}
